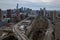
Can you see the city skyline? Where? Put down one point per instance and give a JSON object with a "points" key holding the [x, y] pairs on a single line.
{"points": [[33, 4]]}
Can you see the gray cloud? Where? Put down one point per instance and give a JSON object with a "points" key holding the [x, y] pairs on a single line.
{"points": [[54, 4]]}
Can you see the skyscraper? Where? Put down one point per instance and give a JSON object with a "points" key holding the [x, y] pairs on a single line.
{"points": [[41, 12], [1, 15], [9, 13], [44, 11], [17, 17], [17, 10], [54, 16]]}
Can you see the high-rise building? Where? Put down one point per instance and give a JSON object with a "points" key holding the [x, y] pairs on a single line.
{"points": [[44, 12], [9, 13], [17, 10], [17, 17], [41, 12], [58, 14], [1, 15], [51, 15], [54, 16]]}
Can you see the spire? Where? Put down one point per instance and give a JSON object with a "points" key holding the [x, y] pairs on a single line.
{"points": [[17, 5]]}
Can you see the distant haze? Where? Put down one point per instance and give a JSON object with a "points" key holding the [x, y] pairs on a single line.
{"points": [[33, 4]]}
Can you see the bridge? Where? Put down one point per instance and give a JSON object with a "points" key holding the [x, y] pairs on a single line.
{"points": [[21, 29], [34, 28], [43, 28]]}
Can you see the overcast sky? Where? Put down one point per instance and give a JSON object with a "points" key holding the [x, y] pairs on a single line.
{"points": [[33, 4]]}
